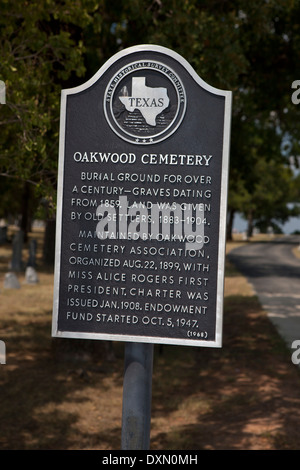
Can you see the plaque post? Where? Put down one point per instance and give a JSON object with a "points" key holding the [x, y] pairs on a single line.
{"points": [[137, 394]]}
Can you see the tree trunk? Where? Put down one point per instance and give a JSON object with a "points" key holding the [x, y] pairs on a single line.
{"points": [[49, 242], [25, 212], [229, 227], [250, 224]]}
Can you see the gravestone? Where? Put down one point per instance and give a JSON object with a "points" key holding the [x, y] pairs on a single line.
{"points": [[31, 276], [32, 253], [11, 281]]}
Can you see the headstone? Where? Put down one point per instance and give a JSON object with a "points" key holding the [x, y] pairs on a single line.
{"points": [[16, 262], [11, 281], [31, 276], [32, 253]]}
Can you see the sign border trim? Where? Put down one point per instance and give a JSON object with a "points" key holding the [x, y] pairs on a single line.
{"points": [[223, 205]]}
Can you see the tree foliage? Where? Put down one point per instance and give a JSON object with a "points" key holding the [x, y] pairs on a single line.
{"points": [[251, 48], [38, 52]]}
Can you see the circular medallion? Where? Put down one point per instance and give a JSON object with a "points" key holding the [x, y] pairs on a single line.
{"points": [[144, 102]]}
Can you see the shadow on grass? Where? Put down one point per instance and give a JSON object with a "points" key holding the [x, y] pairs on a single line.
{"points": [[43, 387], [243, 396], [66, 394]]}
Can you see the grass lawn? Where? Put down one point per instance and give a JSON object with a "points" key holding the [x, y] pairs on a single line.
{"points": [[67, 394]]}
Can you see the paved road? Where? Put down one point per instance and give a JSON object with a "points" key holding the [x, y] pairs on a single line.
{"points": [[274, 272]]}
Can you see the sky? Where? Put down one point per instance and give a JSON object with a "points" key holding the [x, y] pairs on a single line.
{"points": [[240, 225]]}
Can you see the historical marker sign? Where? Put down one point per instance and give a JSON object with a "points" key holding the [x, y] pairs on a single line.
{"points": [[142, 196]]}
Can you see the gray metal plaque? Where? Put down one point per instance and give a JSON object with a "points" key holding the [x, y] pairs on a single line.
{"points": [[141, 208]]}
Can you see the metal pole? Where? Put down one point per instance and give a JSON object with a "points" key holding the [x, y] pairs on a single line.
{"points": [[137, 395]]}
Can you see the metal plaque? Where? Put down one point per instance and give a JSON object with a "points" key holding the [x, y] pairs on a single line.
{"points": [[141, 208]]}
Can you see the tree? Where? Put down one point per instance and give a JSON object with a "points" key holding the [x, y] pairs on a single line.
{"points": [[250, 48], [272, 191], [38, 53], [41, 50]]}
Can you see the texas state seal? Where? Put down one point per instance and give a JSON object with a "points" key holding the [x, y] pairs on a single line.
{"points": [[145, 102]]}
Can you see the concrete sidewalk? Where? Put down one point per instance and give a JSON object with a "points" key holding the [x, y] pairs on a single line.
{"points": [[274, 272]]}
